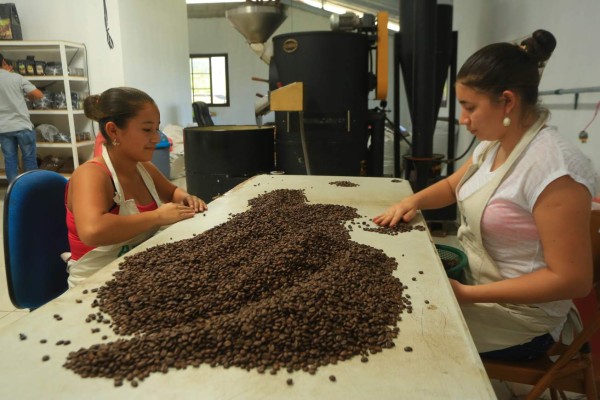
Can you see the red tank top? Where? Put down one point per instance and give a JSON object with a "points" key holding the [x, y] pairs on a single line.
{"points": [[78, 248]]}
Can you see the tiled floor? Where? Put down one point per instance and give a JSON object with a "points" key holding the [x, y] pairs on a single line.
{"points": [[9, 314]]}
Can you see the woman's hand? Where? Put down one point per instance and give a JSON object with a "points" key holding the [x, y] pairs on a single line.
{"points": [[460, 291], [169, 213], [195, 202], [404, 210]]}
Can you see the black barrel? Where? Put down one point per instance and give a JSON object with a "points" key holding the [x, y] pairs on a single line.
{"points": [[333, 67], [217, 158]]}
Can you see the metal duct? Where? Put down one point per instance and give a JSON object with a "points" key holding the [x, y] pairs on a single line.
{"points": [[424, 52]]}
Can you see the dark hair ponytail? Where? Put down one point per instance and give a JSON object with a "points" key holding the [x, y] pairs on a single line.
{"points": [[117, 105], [506, 66]]}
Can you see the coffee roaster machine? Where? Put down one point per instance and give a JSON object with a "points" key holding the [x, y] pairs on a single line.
{"points": [[329, 129], [338, 72], [326, 127]]}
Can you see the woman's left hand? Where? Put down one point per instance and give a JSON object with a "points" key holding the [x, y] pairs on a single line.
{"points": [[195, 202], [460, 291]]}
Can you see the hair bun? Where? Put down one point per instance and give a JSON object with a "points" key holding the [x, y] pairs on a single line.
{"points": [[91, 107], [540, 45]]}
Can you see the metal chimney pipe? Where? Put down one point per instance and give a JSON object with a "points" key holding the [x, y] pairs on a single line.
{"points": [[418, 19]]}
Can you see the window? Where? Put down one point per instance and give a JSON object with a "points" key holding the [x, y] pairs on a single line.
{"points": [[209, 77]]}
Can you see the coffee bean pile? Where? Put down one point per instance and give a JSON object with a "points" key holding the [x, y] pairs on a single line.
{"points": [[279, 286], [401, 227], [344, 184]]}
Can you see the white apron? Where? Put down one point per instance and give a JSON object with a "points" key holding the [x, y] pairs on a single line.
{"points": [[99, 257], [496, 326]]}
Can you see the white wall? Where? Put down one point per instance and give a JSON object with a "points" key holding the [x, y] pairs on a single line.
{"points": [[155, 47], [82, 23], [574, 64], [150, 45]]}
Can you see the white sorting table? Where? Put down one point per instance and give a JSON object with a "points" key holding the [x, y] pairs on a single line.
{"points": [[444, 363]]}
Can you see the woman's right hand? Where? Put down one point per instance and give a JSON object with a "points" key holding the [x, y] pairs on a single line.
{"points": [[405, 210], [169, 213]]}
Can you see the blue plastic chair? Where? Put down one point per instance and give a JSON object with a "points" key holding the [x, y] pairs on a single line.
{"points": [[35, 236]]}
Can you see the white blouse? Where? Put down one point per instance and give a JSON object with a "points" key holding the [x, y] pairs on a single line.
{"points": [[508, 229]]}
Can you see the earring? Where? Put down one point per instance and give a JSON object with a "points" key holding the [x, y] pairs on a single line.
{"points": [[115, 142], [506, 121]]}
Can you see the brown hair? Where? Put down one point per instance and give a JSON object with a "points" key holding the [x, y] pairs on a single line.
{"points": [[506, 66], [117, 105]]}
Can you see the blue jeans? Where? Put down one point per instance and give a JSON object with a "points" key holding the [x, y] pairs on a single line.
{"points": [[25, 140]]}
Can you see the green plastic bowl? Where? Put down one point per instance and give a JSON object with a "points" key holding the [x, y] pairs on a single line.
{"points": [[455, 257]]}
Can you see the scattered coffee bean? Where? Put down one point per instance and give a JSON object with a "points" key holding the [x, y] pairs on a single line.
{"points": [[43, 341], [45, 358], [332, 378], [78, 301], [290, 381], [401, 227], [85, 291], [426, 301], [364, 359], [22, 336], [408, 349]]}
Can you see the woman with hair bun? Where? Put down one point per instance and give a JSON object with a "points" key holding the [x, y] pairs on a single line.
{"points": [[119, 199], [524, 198]]}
